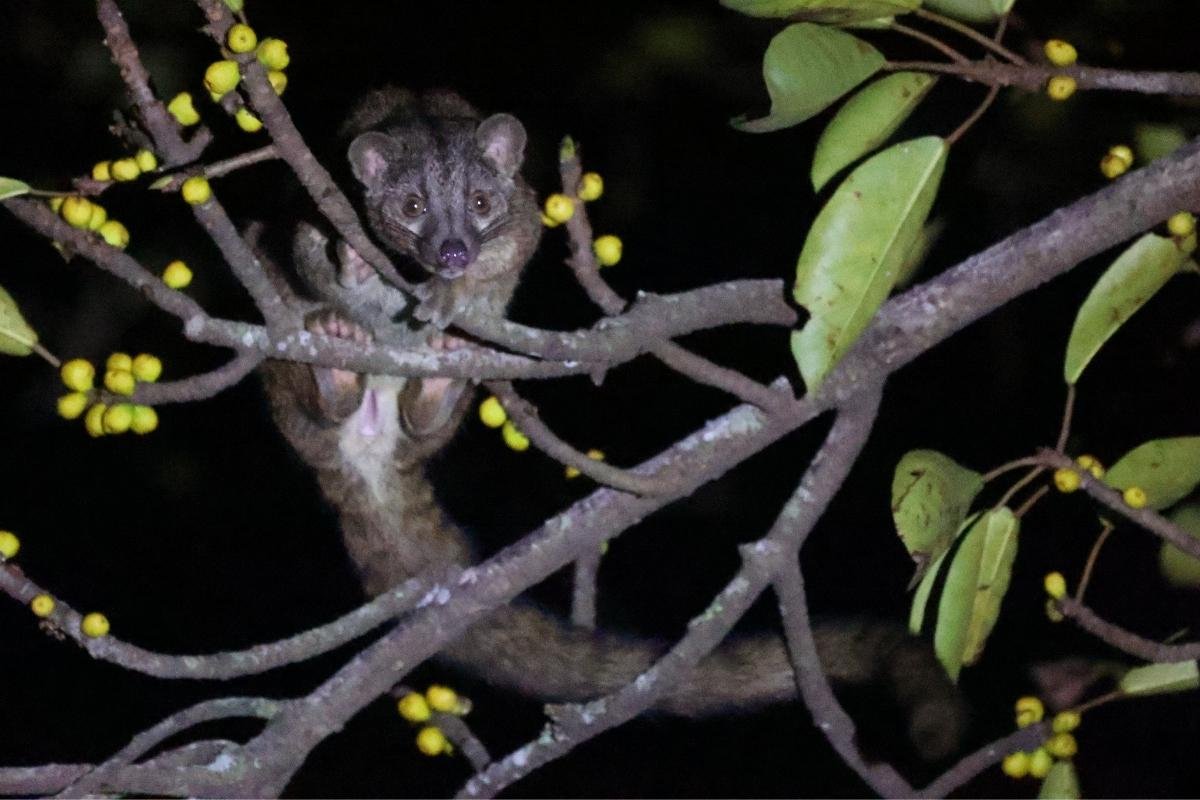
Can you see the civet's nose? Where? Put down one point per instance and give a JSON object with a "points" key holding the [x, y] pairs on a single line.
{"points": [[453, 257]]}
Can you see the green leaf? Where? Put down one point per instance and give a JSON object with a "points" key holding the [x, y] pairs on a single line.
{"points": [[931, 495], [16, 337], [11, 187], [971, 10], [1181, 676], [1179, 568], [866, 121], [234, 5], [1133, 278], [806, 68], [1060, 783], [976, 581], [915, 259], [830, 12], [1153, 141], [855, 247], [1167, 469], [995, 571]]}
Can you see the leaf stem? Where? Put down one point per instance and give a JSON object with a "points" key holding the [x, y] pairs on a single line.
{"points": [[972, 34], [932, 41]]}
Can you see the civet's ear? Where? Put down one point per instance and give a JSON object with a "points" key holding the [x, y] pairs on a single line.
{"points": [[501, 137], [370, 155]]}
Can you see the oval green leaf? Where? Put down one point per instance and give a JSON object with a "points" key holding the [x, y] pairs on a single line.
{"points": [[806, 68], [1152, 141], [855, 247], [931, 495], [866, 121], [1166, 469], [957, 602], [1181, 676], [1060, 783], [1139, 272], [11, 187], [971, 10], [1178, 568], [829, 12], [995, 571], [16, 337]]}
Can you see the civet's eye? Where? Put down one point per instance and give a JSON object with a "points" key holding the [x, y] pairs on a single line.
{"points": [[413, 206], [480, 203]]}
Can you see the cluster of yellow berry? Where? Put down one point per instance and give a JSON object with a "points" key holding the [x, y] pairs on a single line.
{"points": [[593, 454], [1067, 480], [121, 376], [80, 212], [1117, 161], [1060, 745], [418, 709], [222, 77], [493, 415], [1060, 54], [94, 624], [559, 208], [126, 169]]}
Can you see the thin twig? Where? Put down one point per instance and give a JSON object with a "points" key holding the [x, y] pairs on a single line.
{"points": [[1106, 529], [1124, 640], [583, 590], [1025, 480], [1064, 430], [526, 417], [199, 387], [966, 30], [974, 116], [991, 475], [218, 168], [1030, 502], [932, 41], [1033, 77]]}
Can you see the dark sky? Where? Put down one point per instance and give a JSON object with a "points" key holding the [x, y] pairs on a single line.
{"points": [[210, 535]]}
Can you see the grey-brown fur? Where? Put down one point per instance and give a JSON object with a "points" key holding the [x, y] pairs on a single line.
{"points": [[394, 528]]}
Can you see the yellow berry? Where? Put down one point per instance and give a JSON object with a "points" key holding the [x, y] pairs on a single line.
{"points": [[559, 207], [115, 234], [125, 169], [1123, 152], [278, 80], [432, 742], [1092, 465], [549, 223], [56, 204], [221, 77], [1052, 611], [72, 405], [1066, 480], [1040, 763], [119, 361], [1029, 711], [42, 605], [77, 211], [118, 418], [593, 454], [1060, 53], [78, 374], [1112, 167], [94, 421], [1066, 721], [1015, 765], [1181, 224], [1062, 745], [101, 171], [94, 625], [591, 186], [145, 420], [9, 544], [1055, 585], [413, 707], [513, 437], [98, 218], [146, 160], [492, 413], [241, 38], [1134, 497], [119, 381], [146, 368], [1060, 87], [177, 275], [196, 190], [247, 121], [273, 54], [442, 698], [183, 110], [607, 249]]}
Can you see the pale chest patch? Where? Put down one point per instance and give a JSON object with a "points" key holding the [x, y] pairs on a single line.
{"points": [[367, 440]]}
